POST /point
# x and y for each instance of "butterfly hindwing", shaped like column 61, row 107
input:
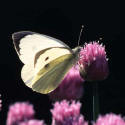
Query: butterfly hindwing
column 27, row 74
column 44, row 57
column 50, row 76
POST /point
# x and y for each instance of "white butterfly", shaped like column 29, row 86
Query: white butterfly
column 46, row 60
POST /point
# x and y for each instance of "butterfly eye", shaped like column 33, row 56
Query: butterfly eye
column 46, row 58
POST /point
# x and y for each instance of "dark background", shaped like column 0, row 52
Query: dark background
column 63, row 21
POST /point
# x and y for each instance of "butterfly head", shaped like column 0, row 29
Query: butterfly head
column 77, row 49
column 76, row 52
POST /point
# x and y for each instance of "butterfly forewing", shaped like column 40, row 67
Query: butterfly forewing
column 27, row 44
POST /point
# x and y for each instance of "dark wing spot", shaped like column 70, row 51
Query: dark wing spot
column 46, row 58
column 46, row 66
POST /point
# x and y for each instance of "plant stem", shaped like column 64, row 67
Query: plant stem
column 95, row 101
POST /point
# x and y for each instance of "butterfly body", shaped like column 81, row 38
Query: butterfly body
column 46, row 60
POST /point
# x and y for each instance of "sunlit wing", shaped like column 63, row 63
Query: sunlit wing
column 27, row 44
column 42, row 59
column 27, row 73
column 30, row 45
column 49, row 77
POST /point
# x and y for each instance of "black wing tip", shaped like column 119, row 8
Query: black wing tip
column 21, row 34
column 17, row 36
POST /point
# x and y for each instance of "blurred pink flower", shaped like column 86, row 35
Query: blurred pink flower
column 32, row 122
column 66, row 113
column 71, row 87
column 20, row 111
column 0, row 103
column 110, row 119
column 93, row 62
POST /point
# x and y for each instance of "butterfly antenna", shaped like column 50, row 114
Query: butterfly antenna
column 80, row 34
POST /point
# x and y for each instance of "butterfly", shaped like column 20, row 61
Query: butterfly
column 46, row 60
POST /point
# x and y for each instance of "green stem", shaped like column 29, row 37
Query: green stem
column 95, row 101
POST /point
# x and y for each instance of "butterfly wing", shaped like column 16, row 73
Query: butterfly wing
column 51, row 75
column 42, row 59
column 30, row 46
column 27, row 44
column 27, row 74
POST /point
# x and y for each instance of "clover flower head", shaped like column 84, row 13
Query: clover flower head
column 20, row 111
column 93, row 62
column 66, row 113
column 110, row 119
